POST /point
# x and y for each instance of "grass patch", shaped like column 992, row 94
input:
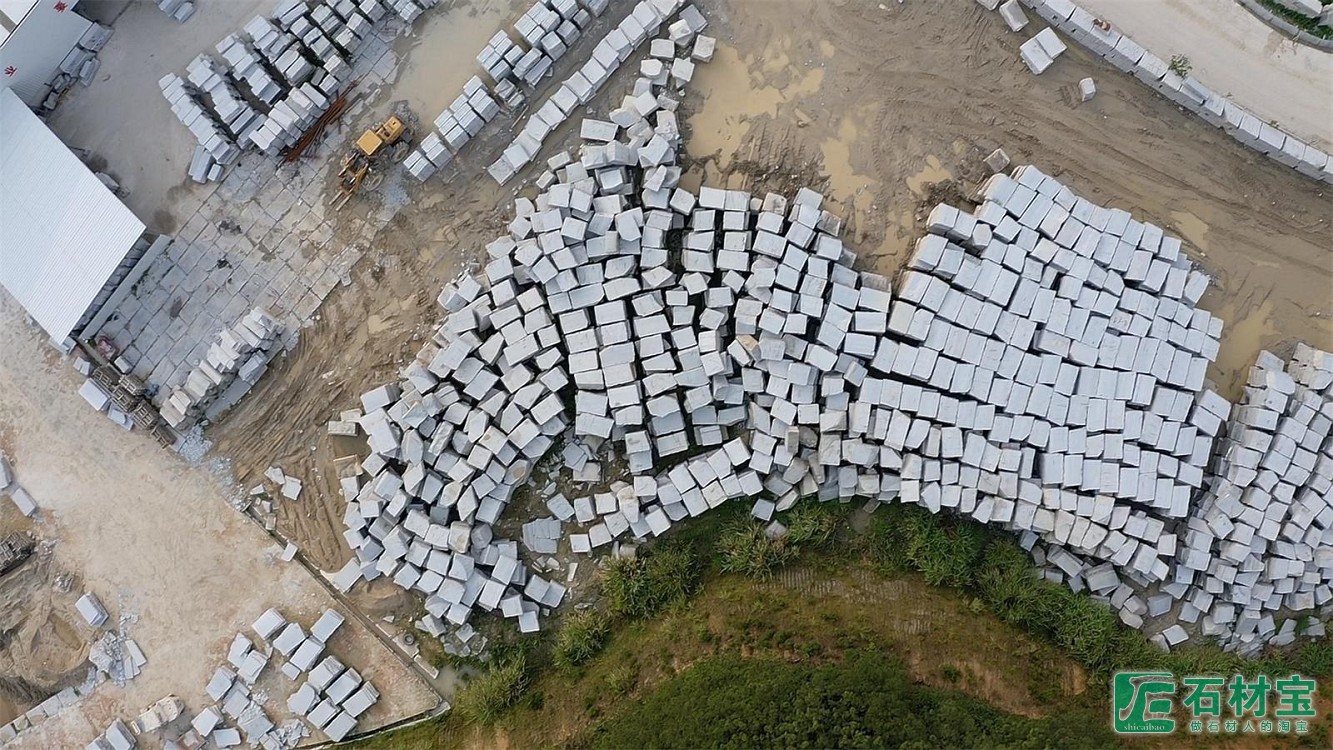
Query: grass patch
column 867, row 700
column 641, row 587
column 965, row 555
column 485, row 697
column 744, row 545
column 746, row 548
column 427, row 735
column 581, row 637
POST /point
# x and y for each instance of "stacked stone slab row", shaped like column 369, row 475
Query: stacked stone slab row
column 215, row 144
column 214, row 80
column 547, row 30
column 247, row 59
column 456, row 125
column 578, row 89
column 291, row 116
column 1214, row 107
column 1260, row 542
column 241, row 352
column 179, row 10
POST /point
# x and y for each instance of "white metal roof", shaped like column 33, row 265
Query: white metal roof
column 15, row 10
column 62, row 233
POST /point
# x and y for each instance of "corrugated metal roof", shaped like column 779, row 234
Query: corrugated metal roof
column 62, row 232
column 15, row 10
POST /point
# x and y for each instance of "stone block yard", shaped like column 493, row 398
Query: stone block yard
column 643, row 260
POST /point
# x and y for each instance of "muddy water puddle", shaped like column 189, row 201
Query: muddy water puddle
column 442, row 53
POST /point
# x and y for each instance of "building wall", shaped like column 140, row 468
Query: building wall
column 30, row 57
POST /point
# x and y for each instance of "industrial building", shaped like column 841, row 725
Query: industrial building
column 68, row 245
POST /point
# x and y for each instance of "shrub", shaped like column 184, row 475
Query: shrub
column 485, row 697
column 745, row 547
column 813, row 525
column 1180, row 65
column 581, row 637
column 621, row 679
column 642, row 586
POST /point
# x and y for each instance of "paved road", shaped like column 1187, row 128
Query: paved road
column 1237, row 55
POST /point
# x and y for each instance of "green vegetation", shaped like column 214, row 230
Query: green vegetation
column 581, row 637
column 1180, row 65
column 642, row 586
column 963, row 554
column 746, row 548
column 867, row 700
column 482, row 699
column 744, row 545
column 1311, row 26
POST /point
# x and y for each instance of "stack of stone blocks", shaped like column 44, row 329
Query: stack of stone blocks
column 330, row 696
column 1260, row 541
column 610, row 53
column 292, row 64
column 482, row 402
column 179, row 10
column 1040, row 364
column 241, row 353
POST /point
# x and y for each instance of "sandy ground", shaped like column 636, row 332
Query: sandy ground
column 155, row 539
column 1235, row 53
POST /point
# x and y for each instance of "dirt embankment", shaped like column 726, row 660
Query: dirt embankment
column 43, row 644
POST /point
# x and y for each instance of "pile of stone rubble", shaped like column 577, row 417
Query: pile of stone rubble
column 1039, row 364
column 79, row 66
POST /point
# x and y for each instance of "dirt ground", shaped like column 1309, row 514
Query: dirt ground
column 154, row 538
column 878, row 104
